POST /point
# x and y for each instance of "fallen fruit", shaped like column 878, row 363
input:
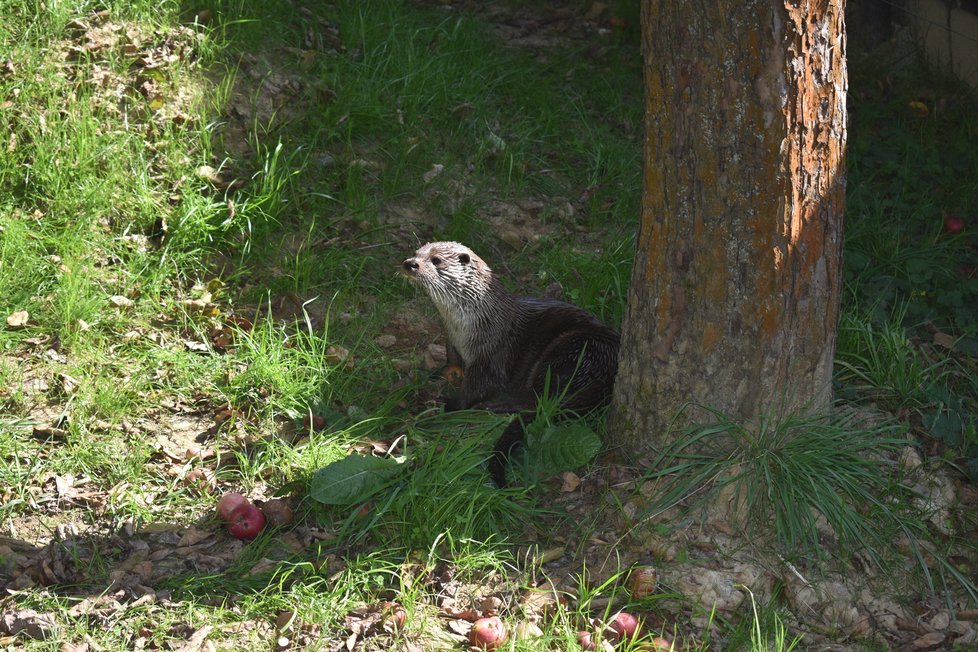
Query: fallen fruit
column 586, row 640
column 658, row 644
column 246, row 522
column 953, row 224
column 642, row 581
column 488, row 633
column 623, row 626
column 228, row 503
column 314, row 421
column 394, row 615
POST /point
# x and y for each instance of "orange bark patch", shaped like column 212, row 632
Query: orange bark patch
column 711, row 335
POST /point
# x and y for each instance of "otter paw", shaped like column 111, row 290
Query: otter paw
column 454, row 404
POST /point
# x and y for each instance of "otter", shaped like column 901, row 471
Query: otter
column 511, row 346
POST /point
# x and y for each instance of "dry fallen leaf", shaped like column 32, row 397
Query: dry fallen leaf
column 435, row 170
column 570, row 481
column 337, row 355
column 192, row 536
column 69, row 385
column 28, row 623
column 919, row 108
column 196, row 640
column 18, row 319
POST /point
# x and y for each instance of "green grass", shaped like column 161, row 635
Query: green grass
column 907, row 336
column 207, row 247
column 797, row 478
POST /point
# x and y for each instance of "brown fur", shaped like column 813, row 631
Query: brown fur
column 507, row 343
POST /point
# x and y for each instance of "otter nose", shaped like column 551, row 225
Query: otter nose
column 410, row 265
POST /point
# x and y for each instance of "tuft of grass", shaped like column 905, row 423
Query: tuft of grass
column 879, row 362
column 809, row 476
column 883, row 363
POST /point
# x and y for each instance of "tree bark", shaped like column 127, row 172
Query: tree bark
column 734, row 296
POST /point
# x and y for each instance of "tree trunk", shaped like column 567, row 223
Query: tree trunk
column 734, row 295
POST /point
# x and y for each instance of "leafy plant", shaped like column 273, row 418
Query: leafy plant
column 353, row 479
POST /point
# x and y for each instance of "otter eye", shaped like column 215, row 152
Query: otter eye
column 463, row 258
column 435, row 260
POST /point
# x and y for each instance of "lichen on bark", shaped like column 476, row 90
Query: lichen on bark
column 733, row 301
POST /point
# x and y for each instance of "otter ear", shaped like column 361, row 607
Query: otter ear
column 463, row 258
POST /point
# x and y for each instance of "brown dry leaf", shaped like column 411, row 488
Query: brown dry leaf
column 195, row 305
column 196, row 640
column 201, row 479
column 337, row 355
column 490, row 605
column 211, row 175
column 95, row 604
column 919, row 108
column 65, row 486
column 372, row 447
column 461, row 627
column 931, row 641
column 120, row 301
column 69, row 385
column 28, row 623
column 193, row 536
column 543, row 600
column 944, row 340
column 18, row 319
column 527, row 631
column 469, row 615
column 435, row 170
column 570, row 481
column 196, row 347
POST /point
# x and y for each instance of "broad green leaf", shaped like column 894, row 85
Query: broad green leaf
column 945, row 425
column 353, row 479
column 563, row 446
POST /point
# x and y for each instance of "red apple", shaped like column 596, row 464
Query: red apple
column 228, row 503
column 246, row 522
column 488, row 633
column 586, row 640
column 623, row 626
column 394, row 616
column 313, row 421
column 659, row 644
column 953, row 224
column 642, row 581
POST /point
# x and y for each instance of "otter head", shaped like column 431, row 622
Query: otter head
column 457, row 280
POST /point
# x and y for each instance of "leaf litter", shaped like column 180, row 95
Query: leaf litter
column 141, row 558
